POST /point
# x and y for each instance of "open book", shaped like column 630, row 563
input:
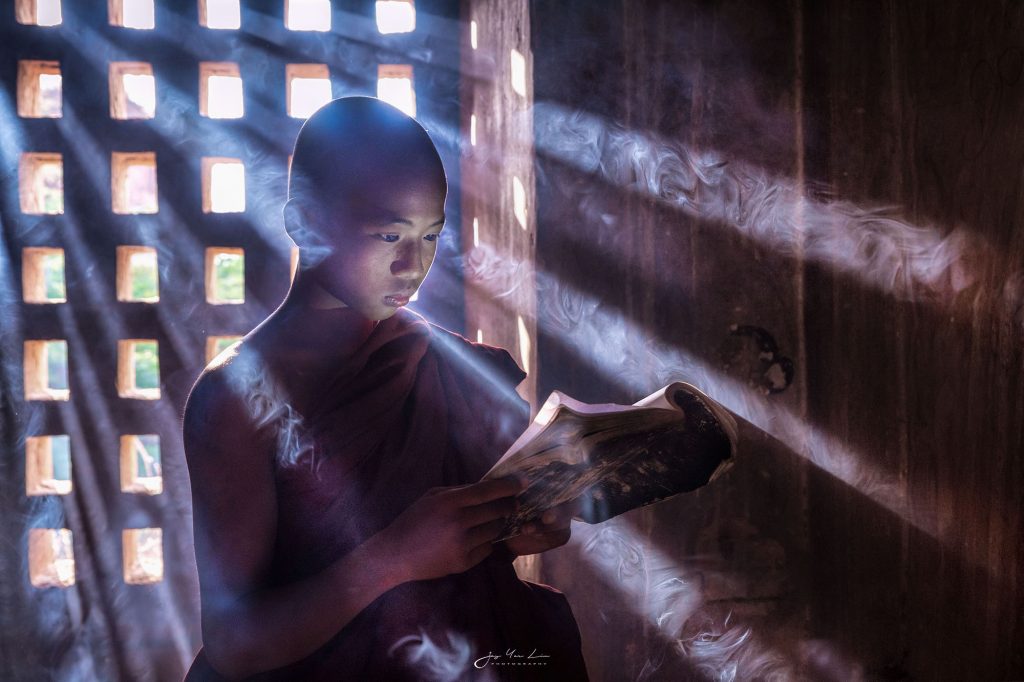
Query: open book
column 614, row 458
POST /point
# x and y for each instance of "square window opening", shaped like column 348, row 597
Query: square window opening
column 220, row 14
column 396, row 16
column 215, row 345
column 51, row 558
column 132, row 90
column 220, row 90
column 139, row 14
column 141, row 471
column 133, row 182
column 223, row 185
column 138, row 278
column 307, row 15
column 47, row 465
column 143, row 555
column 38, row 12
column 309, row 88
column 225, row 275
column 42, row 275
column 39, row 89
column 395, row 86
column 138, row 369
column 41, row 184
column 46, row 369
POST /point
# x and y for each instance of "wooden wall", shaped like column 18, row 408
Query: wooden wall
column 811, row 210
column 498, row 148
column 499, row 266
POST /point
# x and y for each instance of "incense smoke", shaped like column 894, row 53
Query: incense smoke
column 907, row 261
column 437, row 663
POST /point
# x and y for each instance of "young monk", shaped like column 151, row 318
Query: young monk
column 334, row 452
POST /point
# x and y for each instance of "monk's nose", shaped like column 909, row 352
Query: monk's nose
column 409, row 262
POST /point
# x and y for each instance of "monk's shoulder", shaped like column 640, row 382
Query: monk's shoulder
column 480, row 356
column 221, row 399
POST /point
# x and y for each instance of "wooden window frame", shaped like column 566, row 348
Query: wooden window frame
column 126, row 387
column 29, row 71
column 131, row 481
column 305, row 71
column 39, row 478
column 43, row 553
column 204, row 17
column 211, row 280
column 208, row 162
column 37, row 372
column 330, row 18
column 377, row 8
column 118, row 96
column 213, row 341
column 124, row 275
column 207, row 69
column 26, row 12
column 28, row 165
column 119, row 164
column 398, row 71
column 115, row 13
column 134, row 570
column 33, row 278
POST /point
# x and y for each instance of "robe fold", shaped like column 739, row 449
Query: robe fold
column 414, row 407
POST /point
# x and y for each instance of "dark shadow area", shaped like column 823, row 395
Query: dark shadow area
column 925, row 395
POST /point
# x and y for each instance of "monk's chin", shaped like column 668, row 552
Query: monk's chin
column 381, row 313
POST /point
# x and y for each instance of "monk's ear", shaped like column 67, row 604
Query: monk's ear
column 300, row 223
column 295, row 217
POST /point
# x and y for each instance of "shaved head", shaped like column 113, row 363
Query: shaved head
column 366, row 197
column 352, row 147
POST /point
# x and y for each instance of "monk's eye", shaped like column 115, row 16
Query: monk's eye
column 390, row 238
column 431, row 237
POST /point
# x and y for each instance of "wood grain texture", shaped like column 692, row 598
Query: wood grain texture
column 874, row 530
column 499, row 271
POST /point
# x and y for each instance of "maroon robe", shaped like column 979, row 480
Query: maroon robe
column 415, row 406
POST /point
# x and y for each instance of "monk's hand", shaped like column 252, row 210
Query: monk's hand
column 450, row 529
column 550, row 531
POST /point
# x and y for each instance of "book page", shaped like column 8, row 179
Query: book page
column 613, row 458
column 553, row 451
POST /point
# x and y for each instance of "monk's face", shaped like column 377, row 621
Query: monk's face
column 383, row 244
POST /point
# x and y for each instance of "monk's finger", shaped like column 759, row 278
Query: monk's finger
column 541, row 541
column 484, row 533
column 491, row 489
column 481, row 513
column 554, row 538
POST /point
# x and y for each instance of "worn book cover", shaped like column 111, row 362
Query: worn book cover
column 614, row 458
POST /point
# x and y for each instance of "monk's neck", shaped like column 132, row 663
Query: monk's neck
column 315, row 328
